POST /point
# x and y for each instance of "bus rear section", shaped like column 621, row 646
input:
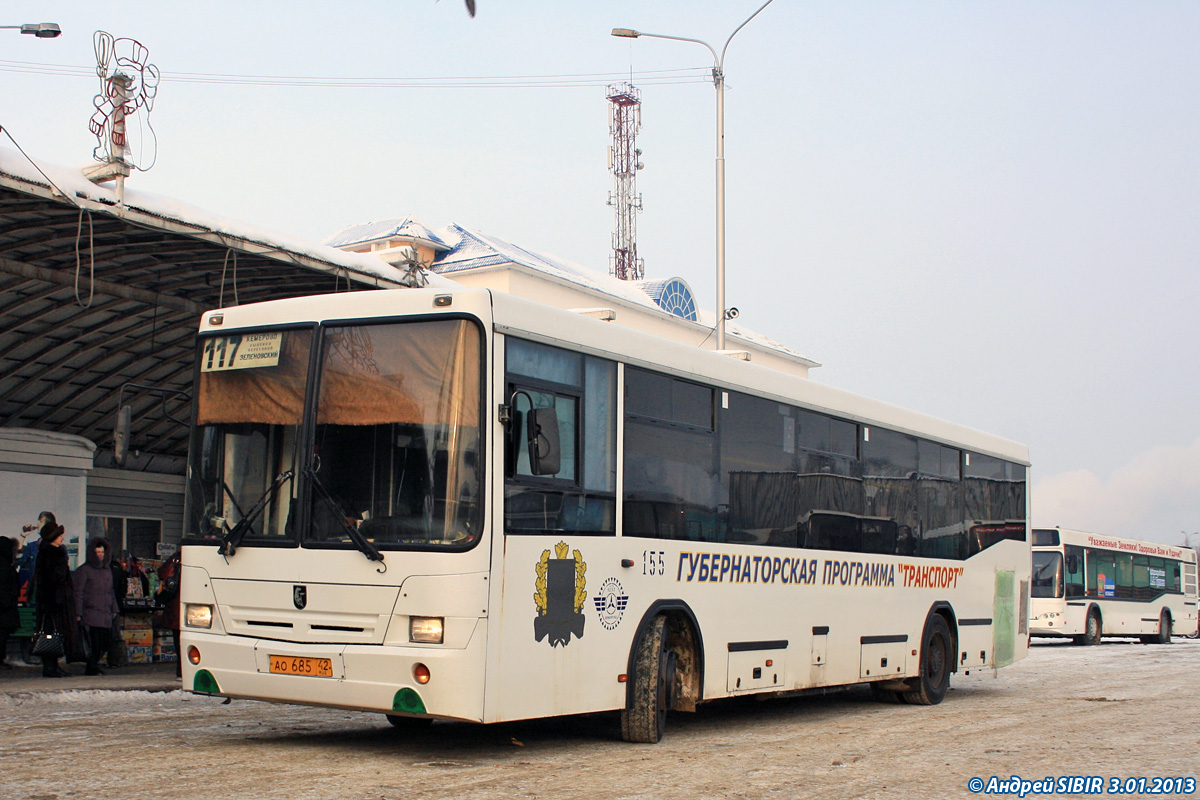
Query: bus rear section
column 1087, row 586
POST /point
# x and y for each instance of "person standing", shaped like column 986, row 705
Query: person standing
column 10, row 591
column 95, row 603
column 116, row 649
column 54, row 592
column 27, row 551
column 168, row 595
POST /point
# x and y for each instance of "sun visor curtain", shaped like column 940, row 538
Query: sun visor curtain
column 423, row 373
column 271, row 395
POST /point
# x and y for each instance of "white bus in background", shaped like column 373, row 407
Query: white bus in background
column 1086, row 586
column 463, row 505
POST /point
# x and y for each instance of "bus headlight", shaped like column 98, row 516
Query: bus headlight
column 426, row 630
column 198, row 616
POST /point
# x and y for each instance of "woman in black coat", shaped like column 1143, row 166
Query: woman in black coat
column 10, row 591
column 55, row 593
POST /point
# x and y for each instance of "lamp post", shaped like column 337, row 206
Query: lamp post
column 718, row 74
column 42, row 30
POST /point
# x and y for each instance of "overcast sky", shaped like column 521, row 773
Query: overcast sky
column 986, row 211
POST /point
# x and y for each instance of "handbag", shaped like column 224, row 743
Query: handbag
column 84, row 640
column 48, row 643
column 118, row 656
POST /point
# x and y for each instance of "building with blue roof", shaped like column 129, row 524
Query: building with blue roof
column 664, row 307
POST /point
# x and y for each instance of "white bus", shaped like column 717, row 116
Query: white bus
column 463, row 505
column 1086, row 586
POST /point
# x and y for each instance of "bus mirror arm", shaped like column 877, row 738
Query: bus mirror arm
column 122, row 429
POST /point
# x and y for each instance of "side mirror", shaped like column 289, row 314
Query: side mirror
column 121, row 435
column 544, row 450
column 1072, row 564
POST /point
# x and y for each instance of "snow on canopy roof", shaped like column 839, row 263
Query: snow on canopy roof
column 70, row 183
column 406, row 227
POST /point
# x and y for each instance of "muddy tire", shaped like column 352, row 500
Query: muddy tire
column 934, row 680
column 645, row 716
column 1093, row 630
column 1163, row 636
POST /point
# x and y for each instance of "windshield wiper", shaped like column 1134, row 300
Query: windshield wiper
column 232, row 539
column 369, row 550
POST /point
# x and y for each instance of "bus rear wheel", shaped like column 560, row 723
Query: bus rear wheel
column 645, row 716
column 1164, row 630
column 934, row 680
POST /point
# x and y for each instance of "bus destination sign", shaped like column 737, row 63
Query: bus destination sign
column 241, row 351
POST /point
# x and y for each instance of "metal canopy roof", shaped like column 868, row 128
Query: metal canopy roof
column 96, row 294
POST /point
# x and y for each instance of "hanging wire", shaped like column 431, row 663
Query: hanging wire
column 224, row 266
column 666, row 76
column 91, row 260
column 52, row 184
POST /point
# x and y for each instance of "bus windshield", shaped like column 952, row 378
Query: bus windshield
column 394, row 439
column 1047, row 575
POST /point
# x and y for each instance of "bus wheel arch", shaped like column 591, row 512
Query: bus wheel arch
column 665, row 671
column 943, row 609
column 936, row 658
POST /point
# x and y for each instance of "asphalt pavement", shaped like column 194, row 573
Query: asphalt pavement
column 131, row 678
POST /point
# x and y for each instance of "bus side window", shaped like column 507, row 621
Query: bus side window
column 1074, row 578
column 551, row 388
column 671, row 459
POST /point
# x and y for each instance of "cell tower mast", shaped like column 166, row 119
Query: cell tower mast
column 624, row 121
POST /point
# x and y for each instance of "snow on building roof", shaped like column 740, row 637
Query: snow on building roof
column 405, row 227
column 463, row 249
column 475, row 250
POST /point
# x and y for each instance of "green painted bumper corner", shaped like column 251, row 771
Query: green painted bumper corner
column 407, row 701
column 205, row 683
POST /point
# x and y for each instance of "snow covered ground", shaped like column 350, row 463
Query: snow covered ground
column 1119, row 710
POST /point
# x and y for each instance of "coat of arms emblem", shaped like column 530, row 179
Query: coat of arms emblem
column 560, row 592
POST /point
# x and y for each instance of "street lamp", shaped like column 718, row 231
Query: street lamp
column 42, row 30
column 718, row 74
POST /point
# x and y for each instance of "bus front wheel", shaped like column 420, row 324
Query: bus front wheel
column 1092, row 630
column 934, row 681
column 409, row 724
column 645, row 716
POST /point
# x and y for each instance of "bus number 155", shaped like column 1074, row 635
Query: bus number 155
column 653, row 562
